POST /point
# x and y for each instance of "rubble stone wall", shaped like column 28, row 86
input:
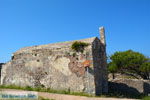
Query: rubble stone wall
column 57, row 66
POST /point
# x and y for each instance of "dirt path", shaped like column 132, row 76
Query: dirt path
column 64, row 97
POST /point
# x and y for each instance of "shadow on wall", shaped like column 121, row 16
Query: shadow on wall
column 1, row 67
column 121, row 89
column 91, row 71
column 146, row 88
column 124, row 90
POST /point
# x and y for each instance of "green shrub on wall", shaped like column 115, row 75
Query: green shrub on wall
column 79, row 46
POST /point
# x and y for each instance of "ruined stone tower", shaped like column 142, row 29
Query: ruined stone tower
column 103, row 59
column 60, row 67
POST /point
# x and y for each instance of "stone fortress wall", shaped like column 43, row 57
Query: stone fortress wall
column 59, row 67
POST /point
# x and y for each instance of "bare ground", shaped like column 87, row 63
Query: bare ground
column 66, row 97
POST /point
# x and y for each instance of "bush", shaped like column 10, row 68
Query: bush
column 79, row 46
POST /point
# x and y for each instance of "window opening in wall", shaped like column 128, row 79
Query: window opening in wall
column 12, row 57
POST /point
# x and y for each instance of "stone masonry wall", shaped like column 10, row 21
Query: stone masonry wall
column 59, row 67
column 54, row 66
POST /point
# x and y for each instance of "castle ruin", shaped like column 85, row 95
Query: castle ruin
column 59, row 67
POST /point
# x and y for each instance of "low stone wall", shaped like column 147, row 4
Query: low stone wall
column 129, row 86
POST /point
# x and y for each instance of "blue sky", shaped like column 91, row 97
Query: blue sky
column 34, row 22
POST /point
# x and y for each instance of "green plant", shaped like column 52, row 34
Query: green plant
column 79, row 46
column 146, row 98
column 28, row 88
column 74, row 54
column 42, row 98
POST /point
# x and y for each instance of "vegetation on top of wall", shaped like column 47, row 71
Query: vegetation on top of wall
column 79, row 46
column 130, row 63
